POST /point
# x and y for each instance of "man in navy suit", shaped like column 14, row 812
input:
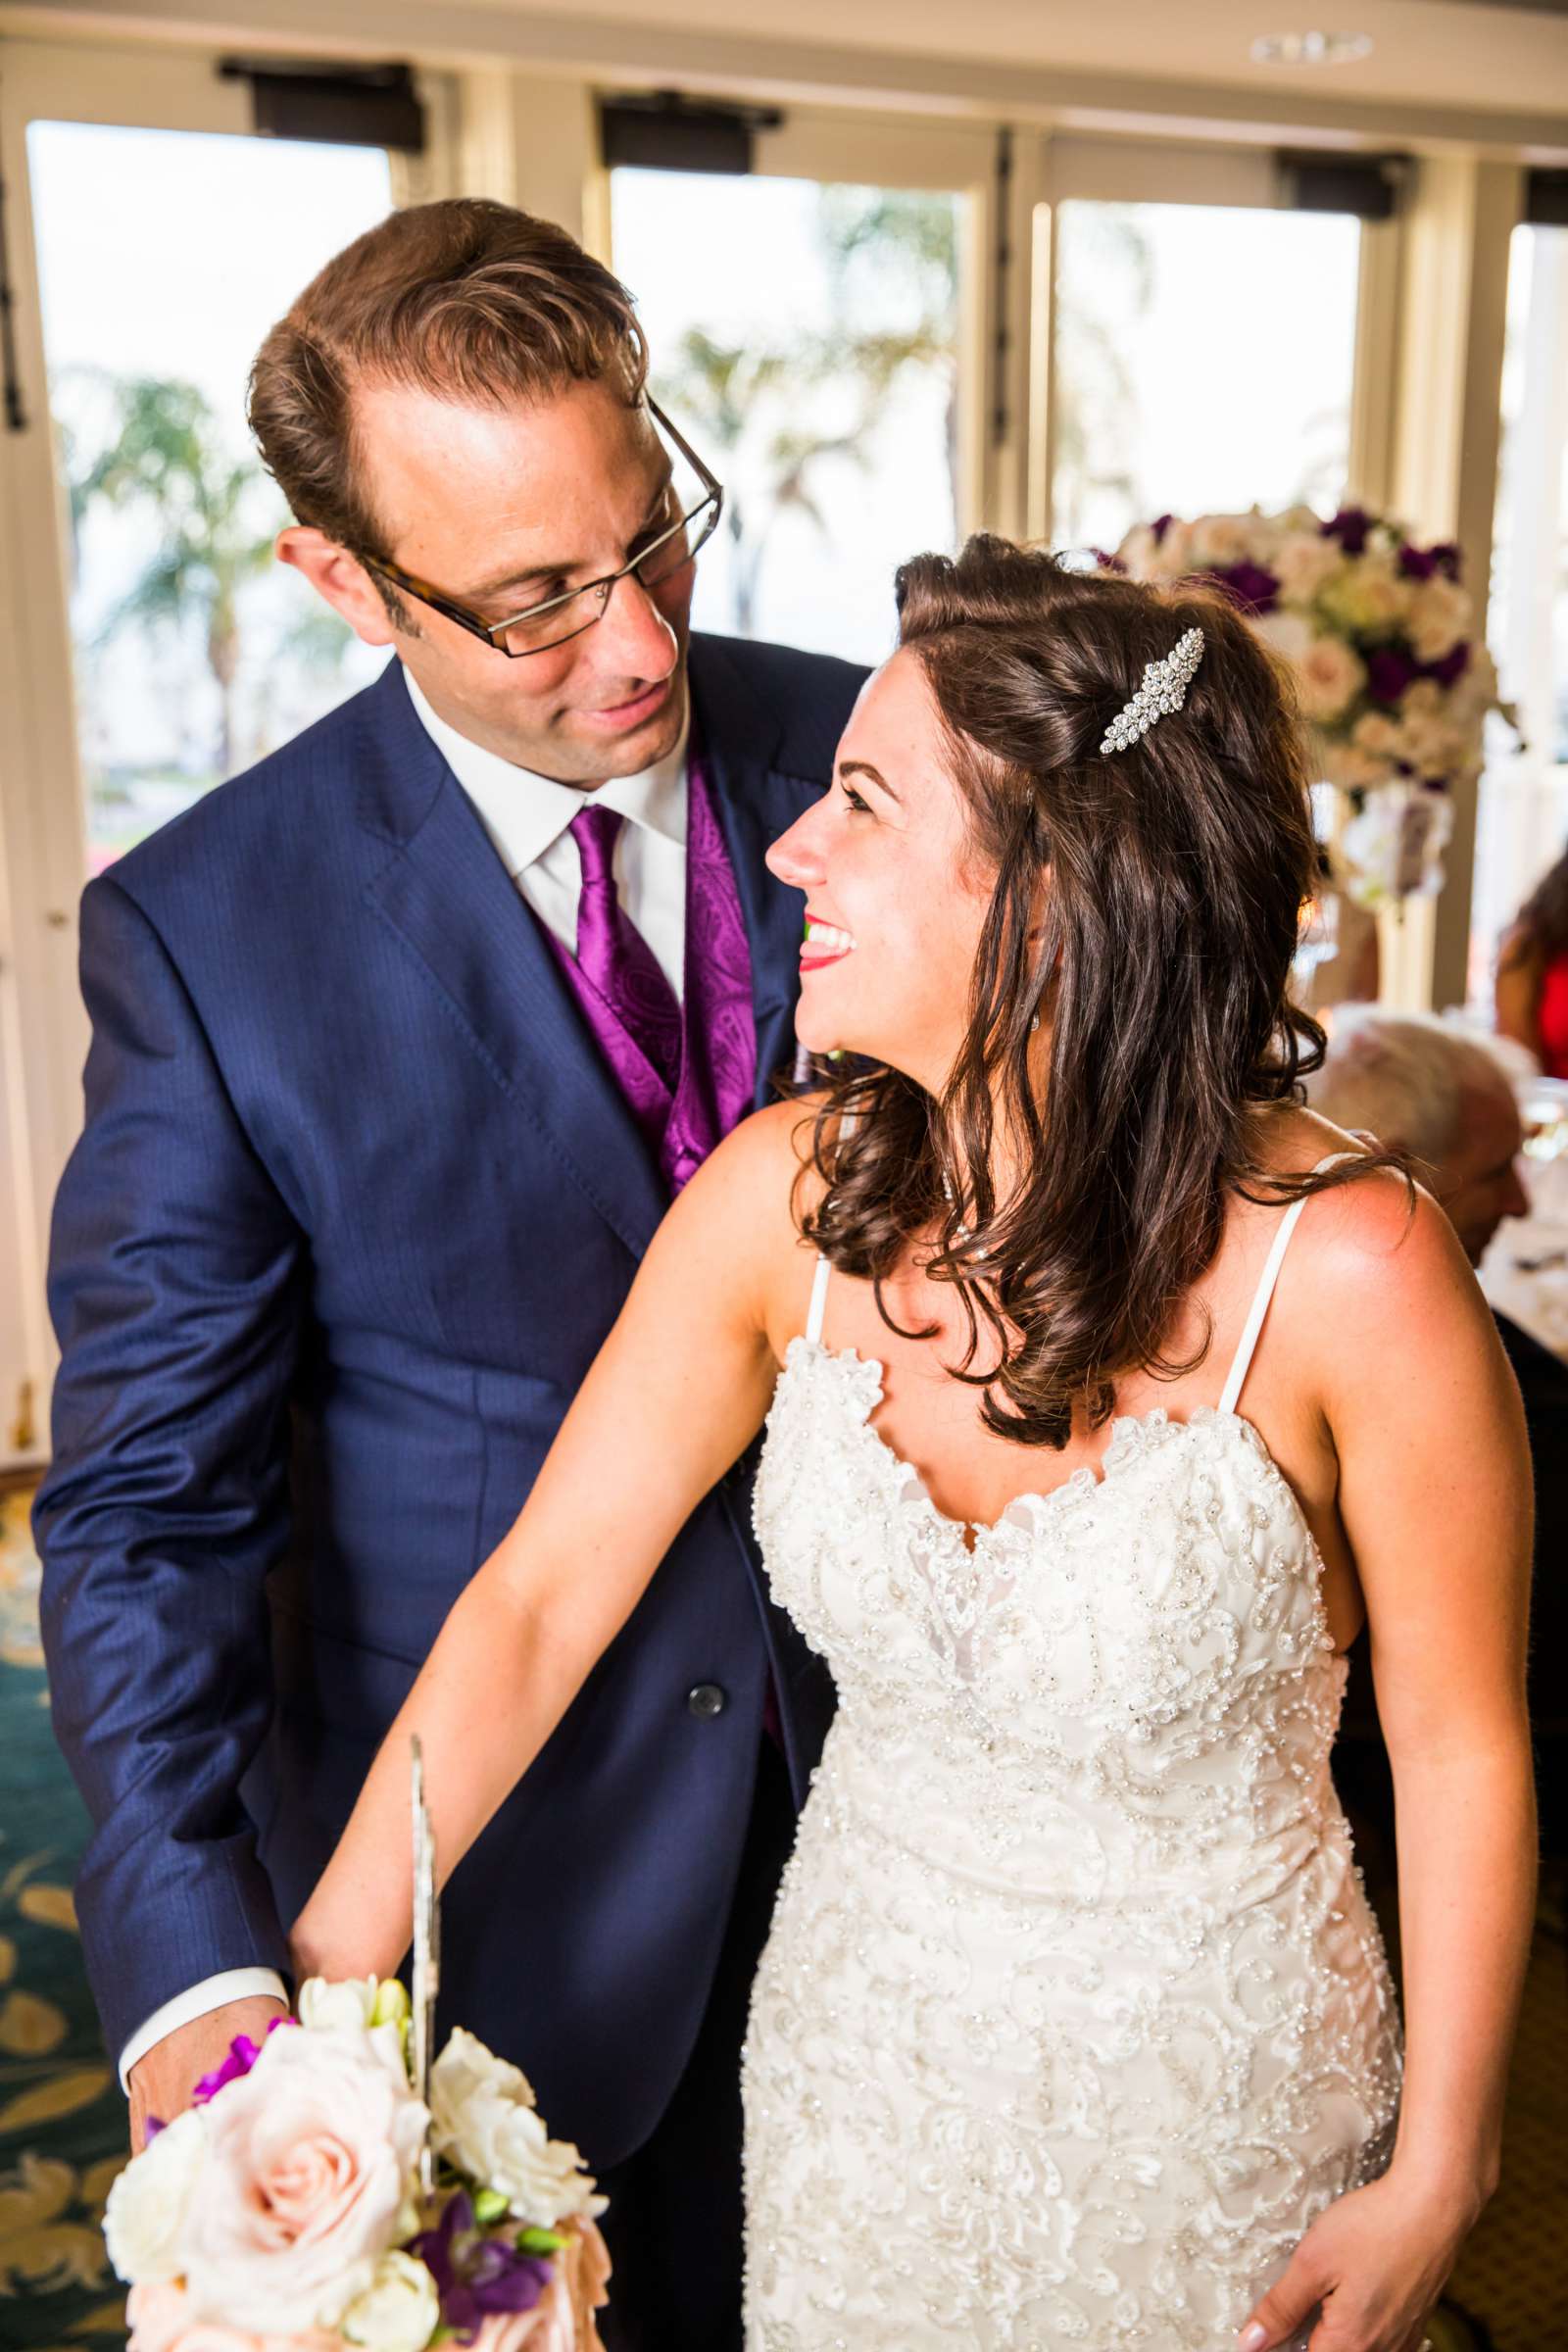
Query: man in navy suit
column 397, row 1058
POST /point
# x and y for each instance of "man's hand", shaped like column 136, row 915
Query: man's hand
column 162, row 2082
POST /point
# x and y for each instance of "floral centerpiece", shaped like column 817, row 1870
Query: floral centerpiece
column 1390, row 676
column 286, row 2211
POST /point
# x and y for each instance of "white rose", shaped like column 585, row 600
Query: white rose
column 398, row 2311
column 1367, row 594
column 1379, row 735
column 347, row 2007
column 1217, row 540
column 485, row 2122
column 148, row 2200
column 1440, row 616
column 1343, row 765
column 1290, row 634
column 1302, row 566
column 1329, row 676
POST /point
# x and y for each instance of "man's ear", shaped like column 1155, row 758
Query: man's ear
column 339, row 579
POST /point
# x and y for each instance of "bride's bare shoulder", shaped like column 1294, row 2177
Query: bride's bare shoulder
column 1374, row 1253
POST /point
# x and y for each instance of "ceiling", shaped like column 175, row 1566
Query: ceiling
column 1481, row 68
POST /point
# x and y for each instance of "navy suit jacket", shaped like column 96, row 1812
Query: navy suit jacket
column 356, row 1203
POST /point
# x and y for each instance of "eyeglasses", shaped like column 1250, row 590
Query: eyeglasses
column 559, row 617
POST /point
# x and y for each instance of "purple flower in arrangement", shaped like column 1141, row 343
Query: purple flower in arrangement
column 1253, row 588
column 1452, row 667
column 1349, row 527
column 1425, row 563
column 242, row 2056
column 1388, row 671
column 476, row 2275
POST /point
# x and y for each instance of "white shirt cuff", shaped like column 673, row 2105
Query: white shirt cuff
column 232, row 1985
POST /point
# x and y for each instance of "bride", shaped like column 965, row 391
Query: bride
column 1074, row 2030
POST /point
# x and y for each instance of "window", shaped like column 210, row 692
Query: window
column 1173, row 397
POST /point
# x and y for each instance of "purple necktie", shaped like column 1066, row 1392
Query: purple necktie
column 612, row 953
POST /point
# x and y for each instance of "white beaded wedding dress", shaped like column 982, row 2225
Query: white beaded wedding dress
column 1074, row 2013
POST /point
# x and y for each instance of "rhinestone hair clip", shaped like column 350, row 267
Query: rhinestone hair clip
column 1163, row 690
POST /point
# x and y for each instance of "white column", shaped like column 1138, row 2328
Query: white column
column 1442, row 472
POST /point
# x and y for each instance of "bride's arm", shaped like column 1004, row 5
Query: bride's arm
column 677, row 1392
column 1434, row 1493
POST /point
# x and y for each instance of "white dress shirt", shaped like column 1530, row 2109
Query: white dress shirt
column 527, row 817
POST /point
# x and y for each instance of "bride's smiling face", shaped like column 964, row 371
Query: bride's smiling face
column 895, row 895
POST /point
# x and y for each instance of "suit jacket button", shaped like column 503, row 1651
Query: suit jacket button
column 705, row 1700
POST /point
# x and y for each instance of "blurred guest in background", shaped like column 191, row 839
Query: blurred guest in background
column 1533, row 974
column 1419, row 1084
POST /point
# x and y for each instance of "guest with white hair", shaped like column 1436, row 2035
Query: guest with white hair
column 1444, row 1097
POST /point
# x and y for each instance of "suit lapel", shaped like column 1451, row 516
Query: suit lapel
column 449, row 899
column 756, row 802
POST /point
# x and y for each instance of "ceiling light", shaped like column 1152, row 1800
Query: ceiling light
column 1311, row 48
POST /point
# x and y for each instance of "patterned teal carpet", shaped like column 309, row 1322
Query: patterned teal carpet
column 62, row 2118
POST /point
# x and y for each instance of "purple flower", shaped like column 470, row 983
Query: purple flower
column 1388, row 671
column 1349, row 527
column 1254, row 589
column 476, row 2275
column 1419, row 563
column 242, row 2056
column 1452, row 667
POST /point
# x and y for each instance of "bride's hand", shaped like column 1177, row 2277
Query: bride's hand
column 1376, row 2260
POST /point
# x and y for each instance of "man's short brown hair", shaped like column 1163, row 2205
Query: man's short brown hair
column 471, row 300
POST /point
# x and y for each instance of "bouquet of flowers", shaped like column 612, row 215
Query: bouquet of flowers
column 310, row 2199
column 1390, row 677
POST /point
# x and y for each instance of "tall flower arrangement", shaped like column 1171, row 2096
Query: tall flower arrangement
column 1391, row 678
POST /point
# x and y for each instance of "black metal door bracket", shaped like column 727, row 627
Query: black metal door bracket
column 9, row 374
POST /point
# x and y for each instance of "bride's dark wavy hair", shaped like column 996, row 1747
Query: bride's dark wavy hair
column 1163, row 887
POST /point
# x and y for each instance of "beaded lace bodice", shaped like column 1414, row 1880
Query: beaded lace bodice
column 1073, row 2012
column 1130, row 1674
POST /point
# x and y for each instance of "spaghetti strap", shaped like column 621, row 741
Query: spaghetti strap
column 1241, row 1363
column 813, row 1320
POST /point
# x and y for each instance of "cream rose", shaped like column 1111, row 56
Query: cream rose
column 147, row 2203
column 484, row 2120
column 345, row 2007
column 1366, row 594
column 309, row 2178
column 1377, row 734
column 1440, row 616
column 1288, row 634
column 398, row 2311
column 1329, row 676
column 1223, row 539
column 1302, row 566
